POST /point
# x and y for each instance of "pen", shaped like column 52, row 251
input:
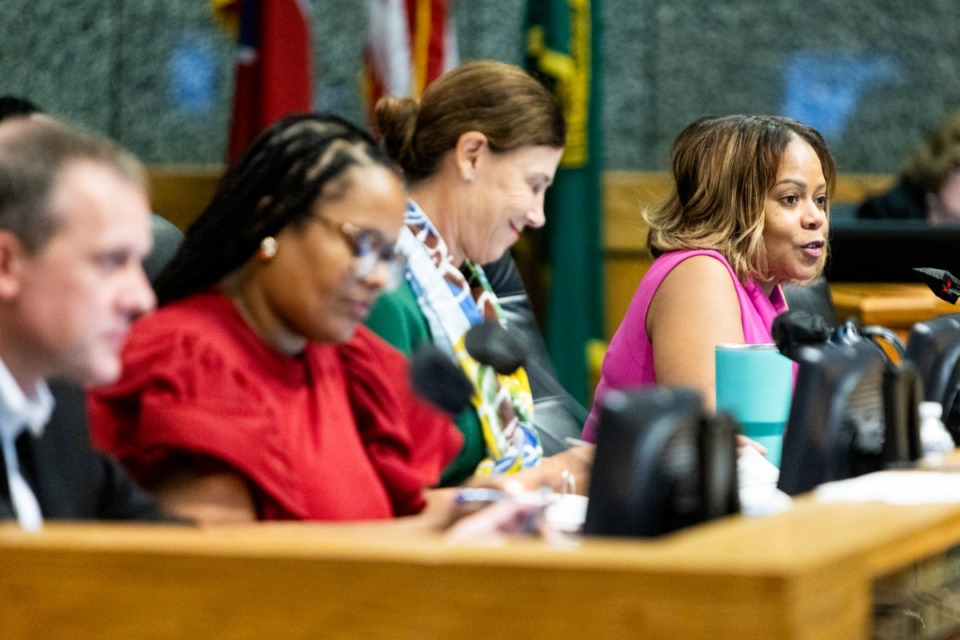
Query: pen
column 480, row 495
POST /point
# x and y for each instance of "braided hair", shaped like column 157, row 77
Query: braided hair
column 276, row 182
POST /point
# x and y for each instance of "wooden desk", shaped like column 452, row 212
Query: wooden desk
column 803, row 574
column 894, row 306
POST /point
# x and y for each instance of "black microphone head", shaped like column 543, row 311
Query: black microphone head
column 489, row 343
column 796, row 328
column 439, row 380
column 944, row 284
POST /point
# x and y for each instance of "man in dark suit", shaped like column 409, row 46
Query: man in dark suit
column 74, row 227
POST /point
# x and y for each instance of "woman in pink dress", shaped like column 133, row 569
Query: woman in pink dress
column 749, row 211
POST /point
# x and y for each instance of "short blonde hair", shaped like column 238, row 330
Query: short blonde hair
column 722, row 169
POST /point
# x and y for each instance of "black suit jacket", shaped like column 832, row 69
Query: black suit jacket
column 71, row 479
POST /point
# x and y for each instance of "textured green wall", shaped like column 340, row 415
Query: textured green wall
column 874, row 75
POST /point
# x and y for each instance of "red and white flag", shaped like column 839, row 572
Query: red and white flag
column 409, row 44
column 274, row 75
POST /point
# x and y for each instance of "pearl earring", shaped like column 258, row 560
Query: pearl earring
column 268, row 248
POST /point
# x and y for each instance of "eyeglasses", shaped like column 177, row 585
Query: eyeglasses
column 369, row 249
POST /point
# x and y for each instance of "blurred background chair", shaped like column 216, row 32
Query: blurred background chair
column 166, row 241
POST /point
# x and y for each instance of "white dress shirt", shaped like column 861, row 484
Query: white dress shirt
column 19, row 412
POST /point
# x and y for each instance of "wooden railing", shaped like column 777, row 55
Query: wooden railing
column 180, row 192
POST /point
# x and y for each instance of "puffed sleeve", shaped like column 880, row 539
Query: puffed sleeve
column 408, row 441
column 184, row 395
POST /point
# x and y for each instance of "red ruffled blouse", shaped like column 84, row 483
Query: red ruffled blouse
column 333, row 433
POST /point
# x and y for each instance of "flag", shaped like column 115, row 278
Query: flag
column 409, row 44
column 273, row 76
column 562, row 47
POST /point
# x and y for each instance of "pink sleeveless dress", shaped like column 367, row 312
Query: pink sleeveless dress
column 629, row 359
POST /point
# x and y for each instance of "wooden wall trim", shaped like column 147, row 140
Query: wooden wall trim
column 180, row 192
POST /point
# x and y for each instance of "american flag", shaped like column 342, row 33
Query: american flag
column 409, row 44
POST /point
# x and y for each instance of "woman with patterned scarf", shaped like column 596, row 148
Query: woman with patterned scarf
column 478, row 153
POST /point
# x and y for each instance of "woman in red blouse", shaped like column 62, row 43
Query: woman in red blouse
column 254, row 392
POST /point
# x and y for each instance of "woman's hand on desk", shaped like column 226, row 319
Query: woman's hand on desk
column 480, row 514
column 493, row 523
column 565, row 472
column 490, row 508
column 205, row 492
column 743, row 441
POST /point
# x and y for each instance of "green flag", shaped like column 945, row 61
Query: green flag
column 562, row 46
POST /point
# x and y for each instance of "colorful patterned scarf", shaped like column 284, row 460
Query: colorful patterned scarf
column 451, row 306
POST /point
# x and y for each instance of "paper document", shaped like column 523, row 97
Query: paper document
column 894, row 487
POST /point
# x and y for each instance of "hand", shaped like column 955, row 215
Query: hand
column 493, row 524
column 744, row 441
column 576, row 462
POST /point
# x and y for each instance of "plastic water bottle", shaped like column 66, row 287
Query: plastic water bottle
column 933, row 433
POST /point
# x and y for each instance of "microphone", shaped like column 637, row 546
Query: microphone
column 489, row 343
column 439, row 380
column 794, row 329
column 944, row 284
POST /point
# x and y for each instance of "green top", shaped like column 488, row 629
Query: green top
column 397, row 318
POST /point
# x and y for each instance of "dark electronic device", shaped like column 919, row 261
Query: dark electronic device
column 943, row 284
column 842, row 356
column 660, row 464
column 838, row 425
column 889, row 251
column 439, row 380
column 489, row 343
column 933, row 347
